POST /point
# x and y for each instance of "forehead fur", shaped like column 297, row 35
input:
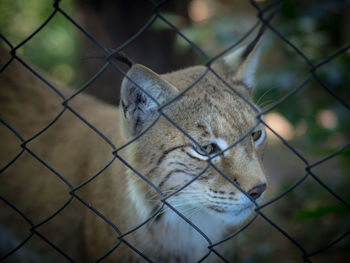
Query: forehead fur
column 181, row 79
column 210, row 102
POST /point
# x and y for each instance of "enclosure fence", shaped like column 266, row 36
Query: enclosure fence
column 263, row 19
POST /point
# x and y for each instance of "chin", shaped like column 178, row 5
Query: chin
column 238, row 213
column 233, row 218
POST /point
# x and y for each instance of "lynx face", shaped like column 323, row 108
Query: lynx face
column 214, row 118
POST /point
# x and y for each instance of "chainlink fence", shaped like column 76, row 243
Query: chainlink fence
column 263, row 18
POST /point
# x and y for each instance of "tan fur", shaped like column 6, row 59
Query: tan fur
column 208, row 110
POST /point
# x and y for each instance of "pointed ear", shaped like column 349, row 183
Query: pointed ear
column 241, row 64
column 138, row 107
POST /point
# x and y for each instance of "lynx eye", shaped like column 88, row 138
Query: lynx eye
column 258, row 136
column 210, row 149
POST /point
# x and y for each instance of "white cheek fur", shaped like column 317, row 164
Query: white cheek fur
column 219, row 142
column 192, row 152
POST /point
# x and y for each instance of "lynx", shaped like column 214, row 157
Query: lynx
column 213, row 118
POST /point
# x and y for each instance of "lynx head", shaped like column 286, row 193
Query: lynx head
column 223, row 136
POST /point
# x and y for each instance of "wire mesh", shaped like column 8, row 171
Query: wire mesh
column 264, row 16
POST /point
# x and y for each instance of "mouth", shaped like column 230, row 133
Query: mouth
column 233, row 214
column 248, row 208
column 236, row 210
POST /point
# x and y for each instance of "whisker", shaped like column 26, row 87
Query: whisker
column 266, row 104
column 263, row 95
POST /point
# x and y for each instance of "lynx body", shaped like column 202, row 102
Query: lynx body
column 211, row 114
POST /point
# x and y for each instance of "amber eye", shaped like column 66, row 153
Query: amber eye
column 256, row 135
column 209, row 149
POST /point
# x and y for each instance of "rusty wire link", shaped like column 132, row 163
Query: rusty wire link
column 112, row 60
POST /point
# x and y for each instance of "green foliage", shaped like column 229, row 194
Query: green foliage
column 314, row 28
column 54, row 48
column 323, row 152
column 306, row 214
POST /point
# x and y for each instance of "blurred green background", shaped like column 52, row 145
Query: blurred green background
column 312, row 121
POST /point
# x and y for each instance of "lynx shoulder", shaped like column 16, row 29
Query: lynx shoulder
column 206, row 137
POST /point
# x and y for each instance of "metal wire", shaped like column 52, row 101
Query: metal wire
column 113, row 57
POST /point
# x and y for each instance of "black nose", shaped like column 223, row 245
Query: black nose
column 257, row 191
